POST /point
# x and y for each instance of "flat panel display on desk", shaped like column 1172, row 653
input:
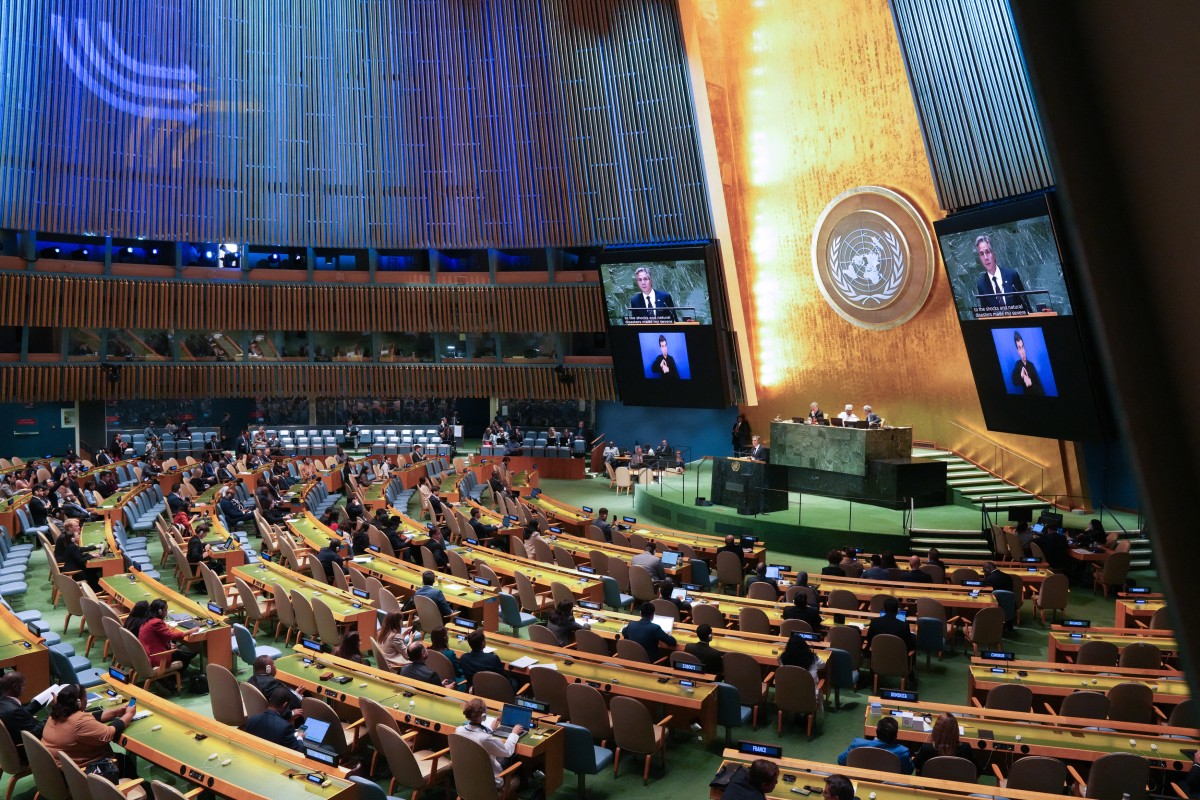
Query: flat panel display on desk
column 665, row 322
column 1011, row 287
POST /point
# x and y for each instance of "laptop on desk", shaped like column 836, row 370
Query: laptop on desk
column 512, row 716
column 670, row 558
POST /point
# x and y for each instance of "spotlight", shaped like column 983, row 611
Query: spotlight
column 128, row 251
column 273, row 258
column 153, row 251
column 208, row 255
column 50, row 252
column 82, row 254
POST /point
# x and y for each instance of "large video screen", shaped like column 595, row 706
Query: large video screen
column 1008, row 269
column 666, row 345
column 657, row 292
column 1011, row 287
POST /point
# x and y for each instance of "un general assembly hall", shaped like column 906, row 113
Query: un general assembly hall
column 526, row 399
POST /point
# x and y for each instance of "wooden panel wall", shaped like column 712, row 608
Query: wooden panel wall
column 350, row 123
column 121, row 303
column 28, row 384
column 982, row 132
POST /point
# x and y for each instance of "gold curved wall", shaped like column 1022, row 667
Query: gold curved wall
column 809, row 98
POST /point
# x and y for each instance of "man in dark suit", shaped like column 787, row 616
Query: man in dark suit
column 996, row 284
column 645, row 631
column 481, row 529
column 995, row 578
column 433, row 593
column 477, row 660
column 603, row 524
column 802, row 610
column 663, row 365
column 888, row 623
column 233, row 511
column 914, row 574
column 758, row 451
column 274, row 724
column 731, row 546
column 703, row 650
column 18, row 717
column 1024, row 373
column 265, row 681
column 647, row 303
column 331, row 559
column 175, row 501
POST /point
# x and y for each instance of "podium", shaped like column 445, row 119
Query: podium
column 743, row 484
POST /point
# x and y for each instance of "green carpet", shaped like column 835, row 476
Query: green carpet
column 690, row 764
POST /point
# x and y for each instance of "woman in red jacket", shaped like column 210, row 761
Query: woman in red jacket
column 159, row 639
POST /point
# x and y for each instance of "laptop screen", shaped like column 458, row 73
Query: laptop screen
column 772, row 573
column 670, row 558
column 664, row 622
column 515, row 715
column 315, row 730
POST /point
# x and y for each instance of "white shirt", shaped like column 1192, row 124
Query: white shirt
column 848, row 416
column 496, row 747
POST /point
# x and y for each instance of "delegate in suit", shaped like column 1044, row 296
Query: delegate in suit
column 664, row 363
column 647, row 303
column 1024, row 373
column 995, row 283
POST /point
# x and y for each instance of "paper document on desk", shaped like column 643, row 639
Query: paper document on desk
column 523, row 662
column 547, row 665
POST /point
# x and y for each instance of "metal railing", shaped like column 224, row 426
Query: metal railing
column 1001, row 455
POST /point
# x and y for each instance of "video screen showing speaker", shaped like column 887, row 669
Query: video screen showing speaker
column 661, row 291
column 1011, row 287
column 665, row 313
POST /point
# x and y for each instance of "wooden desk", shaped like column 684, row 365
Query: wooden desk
column 1065, row 642
column 347, row 609
column 257, row 769
column 1132, row 610
column 956, row 598
column 99, row 535
column 1051, row 682
column 421, row 706
column 130, row 587
column 475, row 601
column 1069, row 739
column 765, row 649
column 582, row 585
column 23, row 650
column 869, row 783
column 581, row 552
column 614, row 676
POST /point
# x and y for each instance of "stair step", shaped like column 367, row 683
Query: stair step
column 984, row 480
column 1003, row 491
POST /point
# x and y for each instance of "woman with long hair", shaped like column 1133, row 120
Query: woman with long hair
column 562, row 624
column 350, row 648
column 71, row 732
column 393, row 641
column 139, row 615
column 943, row 741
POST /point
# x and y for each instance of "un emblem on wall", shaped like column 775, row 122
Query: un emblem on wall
column 873, row 257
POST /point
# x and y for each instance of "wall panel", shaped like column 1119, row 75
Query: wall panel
column 977, row 113
column 350, row 123
column 187, row 305
column 24, row 384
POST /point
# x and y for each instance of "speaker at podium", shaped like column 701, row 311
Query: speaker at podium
column 752, row 487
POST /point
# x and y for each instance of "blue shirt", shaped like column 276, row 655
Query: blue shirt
column 435, row 594
column 906, row 764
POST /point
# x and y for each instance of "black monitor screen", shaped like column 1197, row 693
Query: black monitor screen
column 677, row 290
column 1011, row 286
